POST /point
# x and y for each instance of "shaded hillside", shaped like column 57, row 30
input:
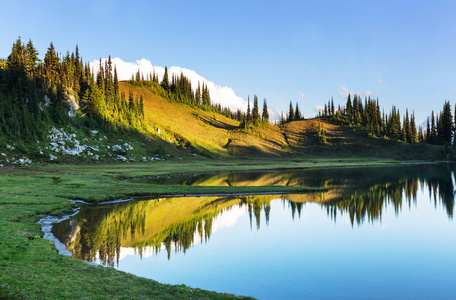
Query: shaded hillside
column 214, row 135
column 345, row 141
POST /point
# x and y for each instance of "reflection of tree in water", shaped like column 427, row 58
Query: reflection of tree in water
column 99, row 233
column 182, row 235
column 101, row 230
column 363, row 195
column 257, row 204
column 369, row 203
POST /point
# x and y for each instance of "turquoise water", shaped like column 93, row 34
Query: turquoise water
column 379, row 233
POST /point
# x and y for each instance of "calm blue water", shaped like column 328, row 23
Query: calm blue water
column 380, row 234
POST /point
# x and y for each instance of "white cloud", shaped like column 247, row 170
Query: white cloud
column 219, row 94
column 344, row 93
column 381, row 81
column 228, row 218
column 274, row 115
column 303, row 96
column 366, row 94
column 319, row 108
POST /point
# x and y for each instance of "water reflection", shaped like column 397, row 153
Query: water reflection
column 398, row 189
column 99, row 233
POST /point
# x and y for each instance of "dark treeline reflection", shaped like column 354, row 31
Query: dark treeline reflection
column 397, row 187
column 164, row 224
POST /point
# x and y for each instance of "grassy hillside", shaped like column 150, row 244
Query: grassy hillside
column 176, row 131
column 206, row 132
column 193, row 128
column 346, row 141
column 215, row 135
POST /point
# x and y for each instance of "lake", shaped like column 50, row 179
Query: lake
column 384, row 232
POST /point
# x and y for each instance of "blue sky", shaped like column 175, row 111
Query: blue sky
column 403, row 52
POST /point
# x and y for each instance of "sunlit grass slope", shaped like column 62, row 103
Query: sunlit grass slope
column 214, row 135
column 207, row 132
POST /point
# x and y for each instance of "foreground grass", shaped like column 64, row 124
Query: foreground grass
column 31, row 267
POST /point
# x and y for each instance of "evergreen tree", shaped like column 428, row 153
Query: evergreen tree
column 116, row 82
column 138, row 76
column 428, row 130
column 123, row 104
column 155, row 77
column 406, row 126
column 255, row 112
column 420, row 134
column 413, row 134
column 354, row 109
column 16, row 66
column 404, row 131
column 165, row 81
column 433, row 133
column 32, row 58
column 206, row 98
column 248, row 118
column 131, row 103
column 298, row 115
column 95, row 102
column 51, row 66
column 141, row 106
column 265, row 115
column 291, row 114
column 78, row 70
column 439, row 125
column 109, row 83
column 100, row 78
column 198, row 95
column 348, row 107
column 447, row 123
column 282, row 118
column 394, row 125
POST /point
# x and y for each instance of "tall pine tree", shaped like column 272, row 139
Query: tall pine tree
column 165, row 81
column 298, row 115
column 447, row 123
column 265, row 115
column 255, row 112
column 291, row 114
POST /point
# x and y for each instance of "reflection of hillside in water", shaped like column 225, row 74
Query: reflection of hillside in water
column 101, row 232
column 154, row 225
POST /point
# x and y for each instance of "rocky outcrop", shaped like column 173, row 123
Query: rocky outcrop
column 74, row 106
